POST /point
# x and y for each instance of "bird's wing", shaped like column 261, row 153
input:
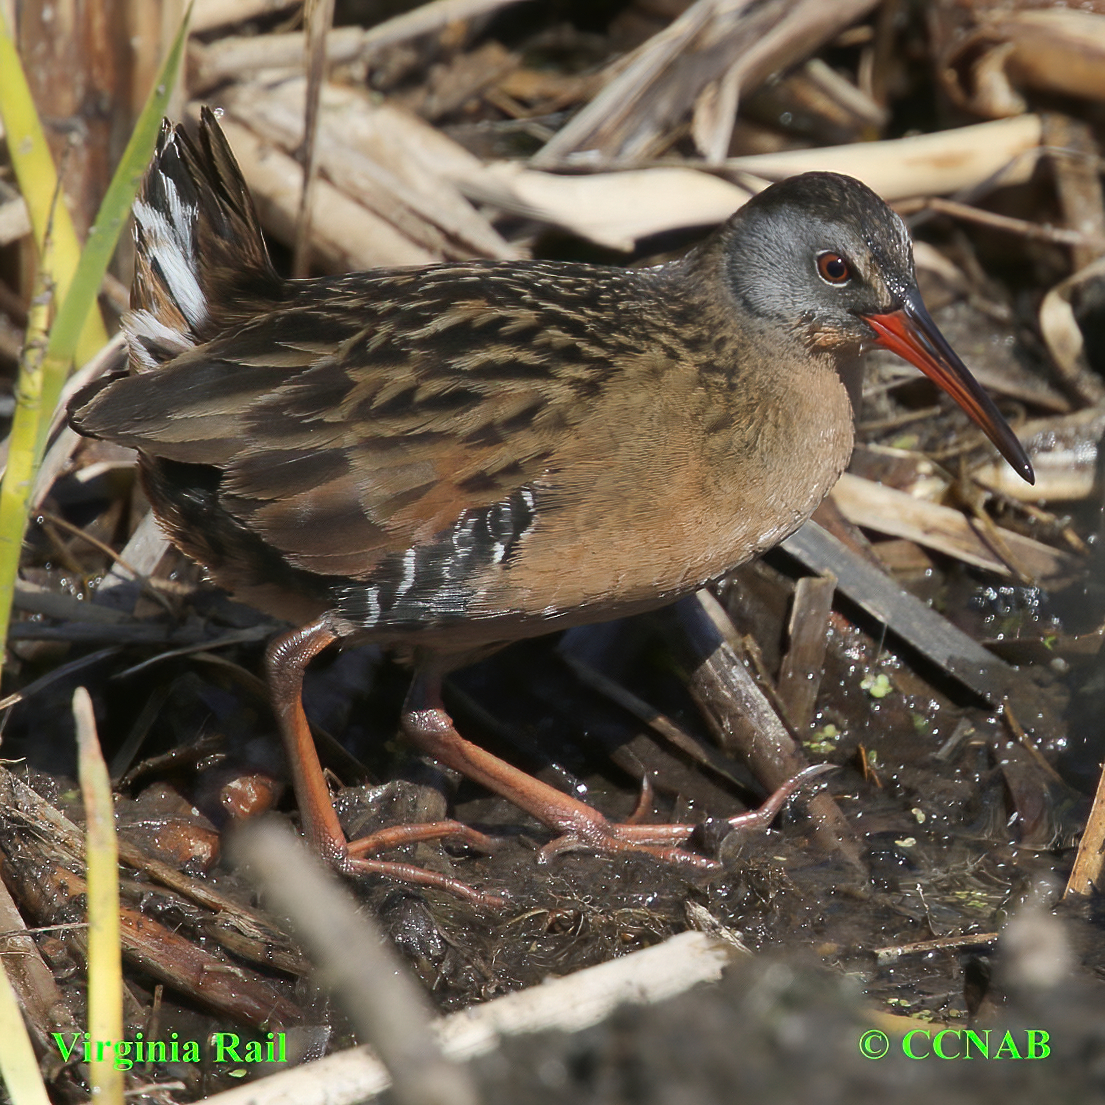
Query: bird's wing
column 370, row 413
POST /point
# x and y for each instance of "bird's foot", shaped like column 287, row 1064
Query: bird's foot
column 359, row 857
column 286, row 659
column 584, row 829
column 579, row 826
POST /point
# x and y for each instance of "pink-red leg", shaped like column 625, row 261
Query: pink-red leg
column 286, row 660
column 427, row 724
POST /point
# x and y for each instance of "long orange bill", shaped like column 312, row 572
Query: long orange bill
column 911, row 333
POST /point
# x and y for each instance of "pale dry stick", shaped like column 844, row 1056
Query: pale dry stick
column 319, row 17
column 428, row 19
column 899, row 514
column 567, row 1004
column 617, row 209
column 961, row 657
column 234, row 58
column 347, row 236
column 15, row 223
column 795, row 33
column 384, row 157
column 804, row 661
column 941, row 163
column 1057, row 51
column 895, row 421
column 1023, row 228
column 1073, row 153
column 890, row 953
column 44, row 1007
column 656, row 86
column 1063, row 334
column 243, row 57
column 1086, row 874
column 849, row 96
column 715, row 110
column 144, row 550
column 715, row 113
column 1065, row 454
column 612, row 209
column 741, row 717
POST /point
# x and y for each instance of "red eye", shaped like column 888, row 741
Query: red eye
column 833, row 269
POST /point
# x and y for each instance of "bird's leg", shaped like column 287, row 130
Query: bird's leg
column 428, row 725
column 286, row 660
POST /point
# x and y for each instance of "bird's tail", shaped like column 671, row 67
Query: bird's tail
column 200, row 259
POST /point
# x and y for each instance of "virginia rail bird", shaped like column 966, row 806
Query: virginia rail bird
column 450, row 458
